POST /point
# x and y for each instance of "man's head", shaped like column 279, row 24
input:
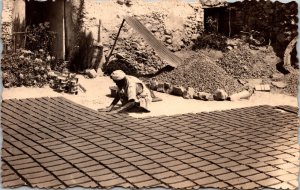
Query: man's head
column 118, row 76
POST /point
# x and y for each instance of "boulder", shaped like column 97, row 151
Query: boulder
column 161, row 87
column 220, row 94
column 202, row 96
column 91, row 73
column 178, row 90
column 189, row 93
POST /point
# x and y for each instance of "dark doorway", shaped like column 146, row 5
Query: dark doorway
column 218, row 17
column 52, row 12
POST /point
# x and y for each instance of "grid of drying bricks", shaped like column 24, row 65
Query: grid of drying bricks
column 55, row 143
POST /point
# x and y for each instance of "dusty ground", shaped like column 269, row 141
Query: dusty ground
column 98, row 90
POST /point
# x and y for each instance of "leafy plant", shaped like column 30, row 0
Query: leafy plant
column 40, row 37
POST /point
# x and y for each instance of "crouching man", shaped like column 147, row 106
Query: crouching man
column 132, row 92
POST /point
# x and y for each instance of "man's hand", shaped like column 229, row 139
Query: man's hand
column 107, row 109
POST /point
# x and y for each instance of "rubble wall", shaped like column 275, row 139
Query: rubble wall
column 276, row 20
column 173, row 22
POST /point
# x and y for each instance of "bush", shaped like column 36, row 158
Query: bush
column 213, row 41
column 25, row 67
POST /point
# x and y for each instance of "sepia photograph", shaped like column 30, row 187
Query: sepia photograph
column 136, row 94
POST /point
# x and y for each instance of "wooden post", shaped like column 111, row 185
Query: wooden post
column 112, row 49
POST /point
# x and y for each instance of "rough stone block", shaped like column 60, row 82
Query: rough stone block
column 161, row 87
column 189, row 93
column 202, row 96
column 91, row 73
column 168, row 88
column 153, row 85
column 220, row 94
column 178, row 90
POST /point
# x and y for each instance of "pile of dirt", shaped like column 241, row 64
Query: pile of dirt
column 245, row 63
column 292, row 84
column 202, row 74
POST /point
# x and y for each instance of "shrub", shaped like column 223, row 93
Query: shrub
column 25, row 67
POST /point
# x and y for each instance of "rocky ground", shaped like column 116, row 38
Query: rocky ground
column 97, row 96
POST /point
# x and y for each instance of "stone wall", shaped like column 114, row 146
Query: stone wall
column 7, row 22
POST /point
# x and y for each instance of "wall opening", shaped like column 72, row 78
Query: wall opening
column 52, row 12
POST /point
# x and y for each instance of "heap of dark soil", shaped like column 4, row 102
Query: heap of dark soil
column 245, row 63
column 202, row 74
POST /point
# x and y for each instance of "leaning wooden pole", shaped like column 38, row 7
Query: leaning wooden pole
column 113, row 47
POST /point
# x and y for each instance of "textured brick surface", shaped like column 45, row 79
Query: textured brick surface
column 55, row 143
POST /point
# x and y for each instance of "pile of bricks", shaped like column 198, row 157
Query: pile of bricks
column 65, row 82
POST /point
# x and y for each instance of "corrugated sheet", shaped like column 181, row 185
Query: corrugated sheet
column 165, row 54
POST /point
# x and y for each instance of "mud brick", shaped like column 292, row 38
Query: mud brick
column 287, row 177
column 282, row 186
column 220, row 160
column 257, row 177
column 125, row 169
column 77, row 181
column 250, row 185
column 14, row 183
column 294, row 183
column 144, row 162
column 54, row 163
column 97, row 170
column 172, row 163
column 218, row 185
column 71, row 176
column 119, row 165
column 31, row 170
column 286, row 166
column 139, row 178
column 227, row 176
column 73, row 157
column 197, row 176
column 157, row 156
column 148, row 184
column 248, row 172
column 113, row 160
column 32, row 164
column 89, row 184
column 218, row 171
column 258, row 164
column 268, row 182
column 14, row 151
column 206, row 180
column 60, row 167
column 267, row 169
column 200, row 163
column 209, row 167
column 239, row 168
column 41, row 179
column 105, row 177
column 187, row 171
column 87, row 164
column 112, row 183
column 153, row 171
column 173, row 179
column 166, row 159
column 164, row 175
column 37, row 175
column 132, row 173
column 278, row 172
column 179, row 167
column 185, row 157
column 149, row 166
column 237, row 181
column 135, row 158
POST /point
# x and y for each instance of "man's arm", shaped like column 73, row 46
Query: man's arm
column 126, row 107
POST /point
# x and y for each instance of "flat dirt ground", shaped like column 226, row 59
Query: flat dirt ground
column 97, row 96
